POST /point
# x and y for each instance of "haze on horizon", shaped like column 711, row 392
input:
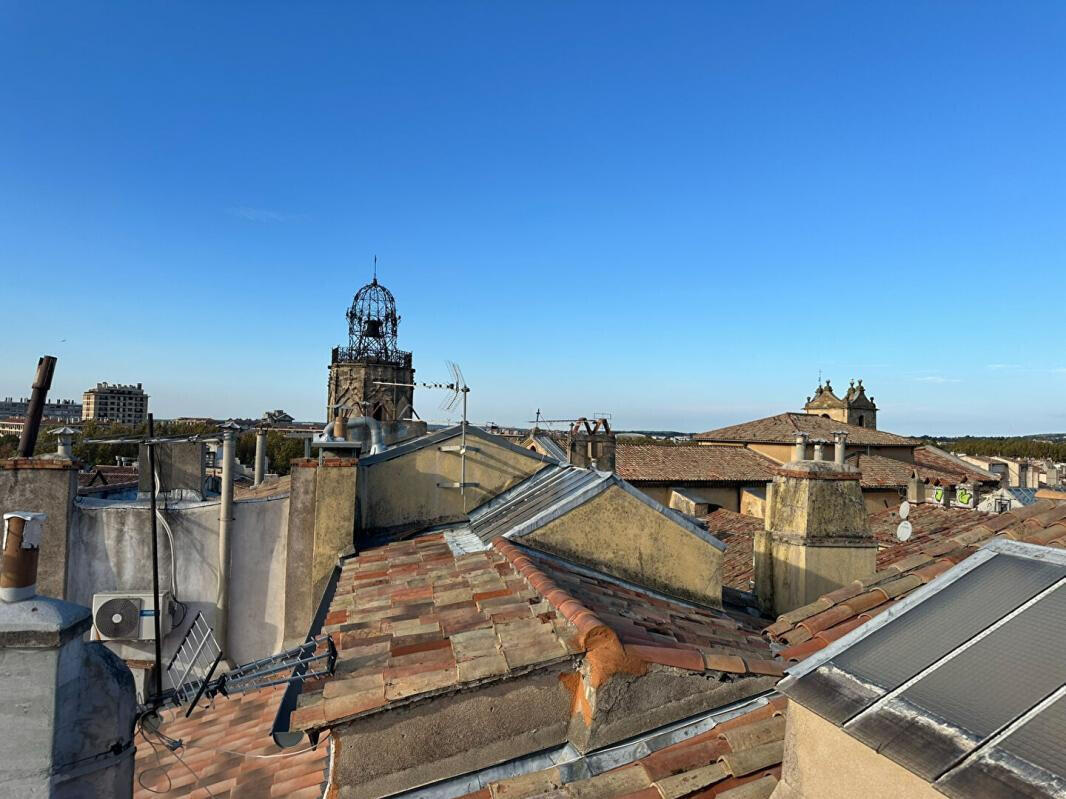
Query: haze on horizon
column 679, row 214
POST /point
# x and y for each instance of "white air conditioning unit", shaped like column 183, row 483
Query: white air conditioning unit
column 129, row 615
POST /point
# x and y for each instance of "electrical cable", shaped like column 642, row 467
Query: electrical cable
column 172, row 745
column 173, row 552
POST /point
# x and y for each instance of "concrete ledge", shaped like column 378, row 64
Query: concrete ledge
column 39, row 463
column 41, row 623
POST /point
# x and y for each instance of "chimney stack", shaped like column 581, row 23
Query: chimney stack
column 800, row 451
column 260, row 455
column 65, row 447
column 819, row 449
column 817, row 536
column 840, row 448
column 22, row 545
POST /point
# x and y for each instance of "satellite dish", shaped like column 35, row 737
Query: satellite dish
column 903, row 532
column 904, row 509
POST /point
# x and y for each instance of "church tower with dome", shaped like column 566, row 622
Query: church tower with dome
column 364, row 374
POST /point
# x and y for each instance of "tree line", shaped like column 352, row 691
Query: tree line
column 1008, row 446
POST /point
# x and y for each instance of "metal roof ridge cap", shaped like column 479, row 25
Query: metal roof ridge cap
column 920, row 594
column 1024, row 549
column 674, row 515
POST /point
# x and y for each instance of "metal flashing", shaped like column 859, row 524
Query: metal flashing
column 447, row 433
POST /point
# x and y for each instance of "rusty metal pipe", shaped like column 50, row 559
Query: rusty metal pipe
column 41, row 384
column 21, row 547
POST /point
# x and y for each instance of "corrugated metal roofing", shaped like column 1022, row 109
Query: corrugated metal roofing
column 551, row 447
column 541, row 493
column 934, row 667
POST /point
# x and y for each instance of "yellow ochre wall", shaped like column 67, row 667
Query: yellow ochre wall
column 617, row 533
column 402, row 492
column 824, row 762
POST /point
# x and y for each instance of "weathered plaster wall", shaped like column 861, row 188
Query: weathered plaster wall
column 719, row 496
column 621, row 535
column 403, row 492
column 335, row 508
column 878, row 499
column 450, row 735
column 299, row 603
column 111, row 551
column 824, row 762
column 753, row 501
column 43, row 486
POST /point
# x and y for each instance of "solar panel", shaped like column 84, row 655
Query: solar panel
column 966, row 699
column 881, row 662
column 1042, row 740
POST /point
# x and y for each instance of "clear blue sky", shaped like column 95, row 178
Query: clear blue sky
column 674, row 212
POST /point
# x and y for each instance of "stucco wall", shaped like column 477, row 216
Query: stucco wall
column 111, row 550
column 402, row 492
column 619, row 534
column 753, row 501
column 48, row 487
column 824, row 762
column 877, row 499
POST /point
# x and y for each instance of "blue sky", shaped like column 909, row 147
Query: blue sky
column 674, row 212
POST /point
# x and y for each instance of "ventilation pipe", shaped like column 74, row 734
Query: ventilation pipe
column 225, row 517
column 340, row 428
column 377, row 439
column 41, row 384
column 22, row 545
column 65, row 446
column 840, row 440
column 260, row 455
column 800, row 451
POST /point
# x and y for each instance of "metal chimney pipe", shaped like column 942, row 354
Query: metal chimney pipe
column 260, row 455
column 840, row 439
column 819, row 449
column 340, row 428
column 65, row 448
column 41, row 384
column 800, row 451
column 229, row 446
column 21, row 546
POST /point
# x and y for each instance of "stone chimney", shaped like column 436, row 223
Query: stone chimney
column 799, row 452
column 817, row 537
column 915, row 489
column 592, row 445
column 819, row 449
column 68, row 705
column 840, row 447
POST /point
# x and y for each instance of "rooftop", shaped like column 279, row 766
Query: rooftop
column 739, row 758
column 815, row 626
column 782, row 429
column 683, row 463
column 936, row 666
column 229, row 748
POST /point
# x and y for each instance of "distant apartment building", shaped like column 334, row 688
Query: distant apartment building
column 125, row 404
column 67, row 410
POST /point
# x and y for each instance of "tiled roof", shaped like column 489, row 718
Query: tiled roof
column 691, row 462
column 931, row 458
column 271, row 487
column 107, row 475
column 782, row 429
column 229, row 748
column 814, row 626
column 411, row 619
column 652, row 627
column 736, row 759
column 737, row 532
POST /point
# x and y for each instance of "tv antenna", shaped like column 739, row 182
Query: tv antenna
column 458, row 393
column 192, row 668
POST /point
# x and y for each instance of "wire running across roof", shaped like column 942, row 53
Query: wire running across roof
column 972, row 666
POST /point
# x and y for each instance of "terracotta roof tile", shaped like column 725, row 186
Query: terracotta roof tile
column 737, row 532
column 220, row 745
column 942, row 537
column 412, row 619
column 782, row 429
column 653, row 627
column 692, row 462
